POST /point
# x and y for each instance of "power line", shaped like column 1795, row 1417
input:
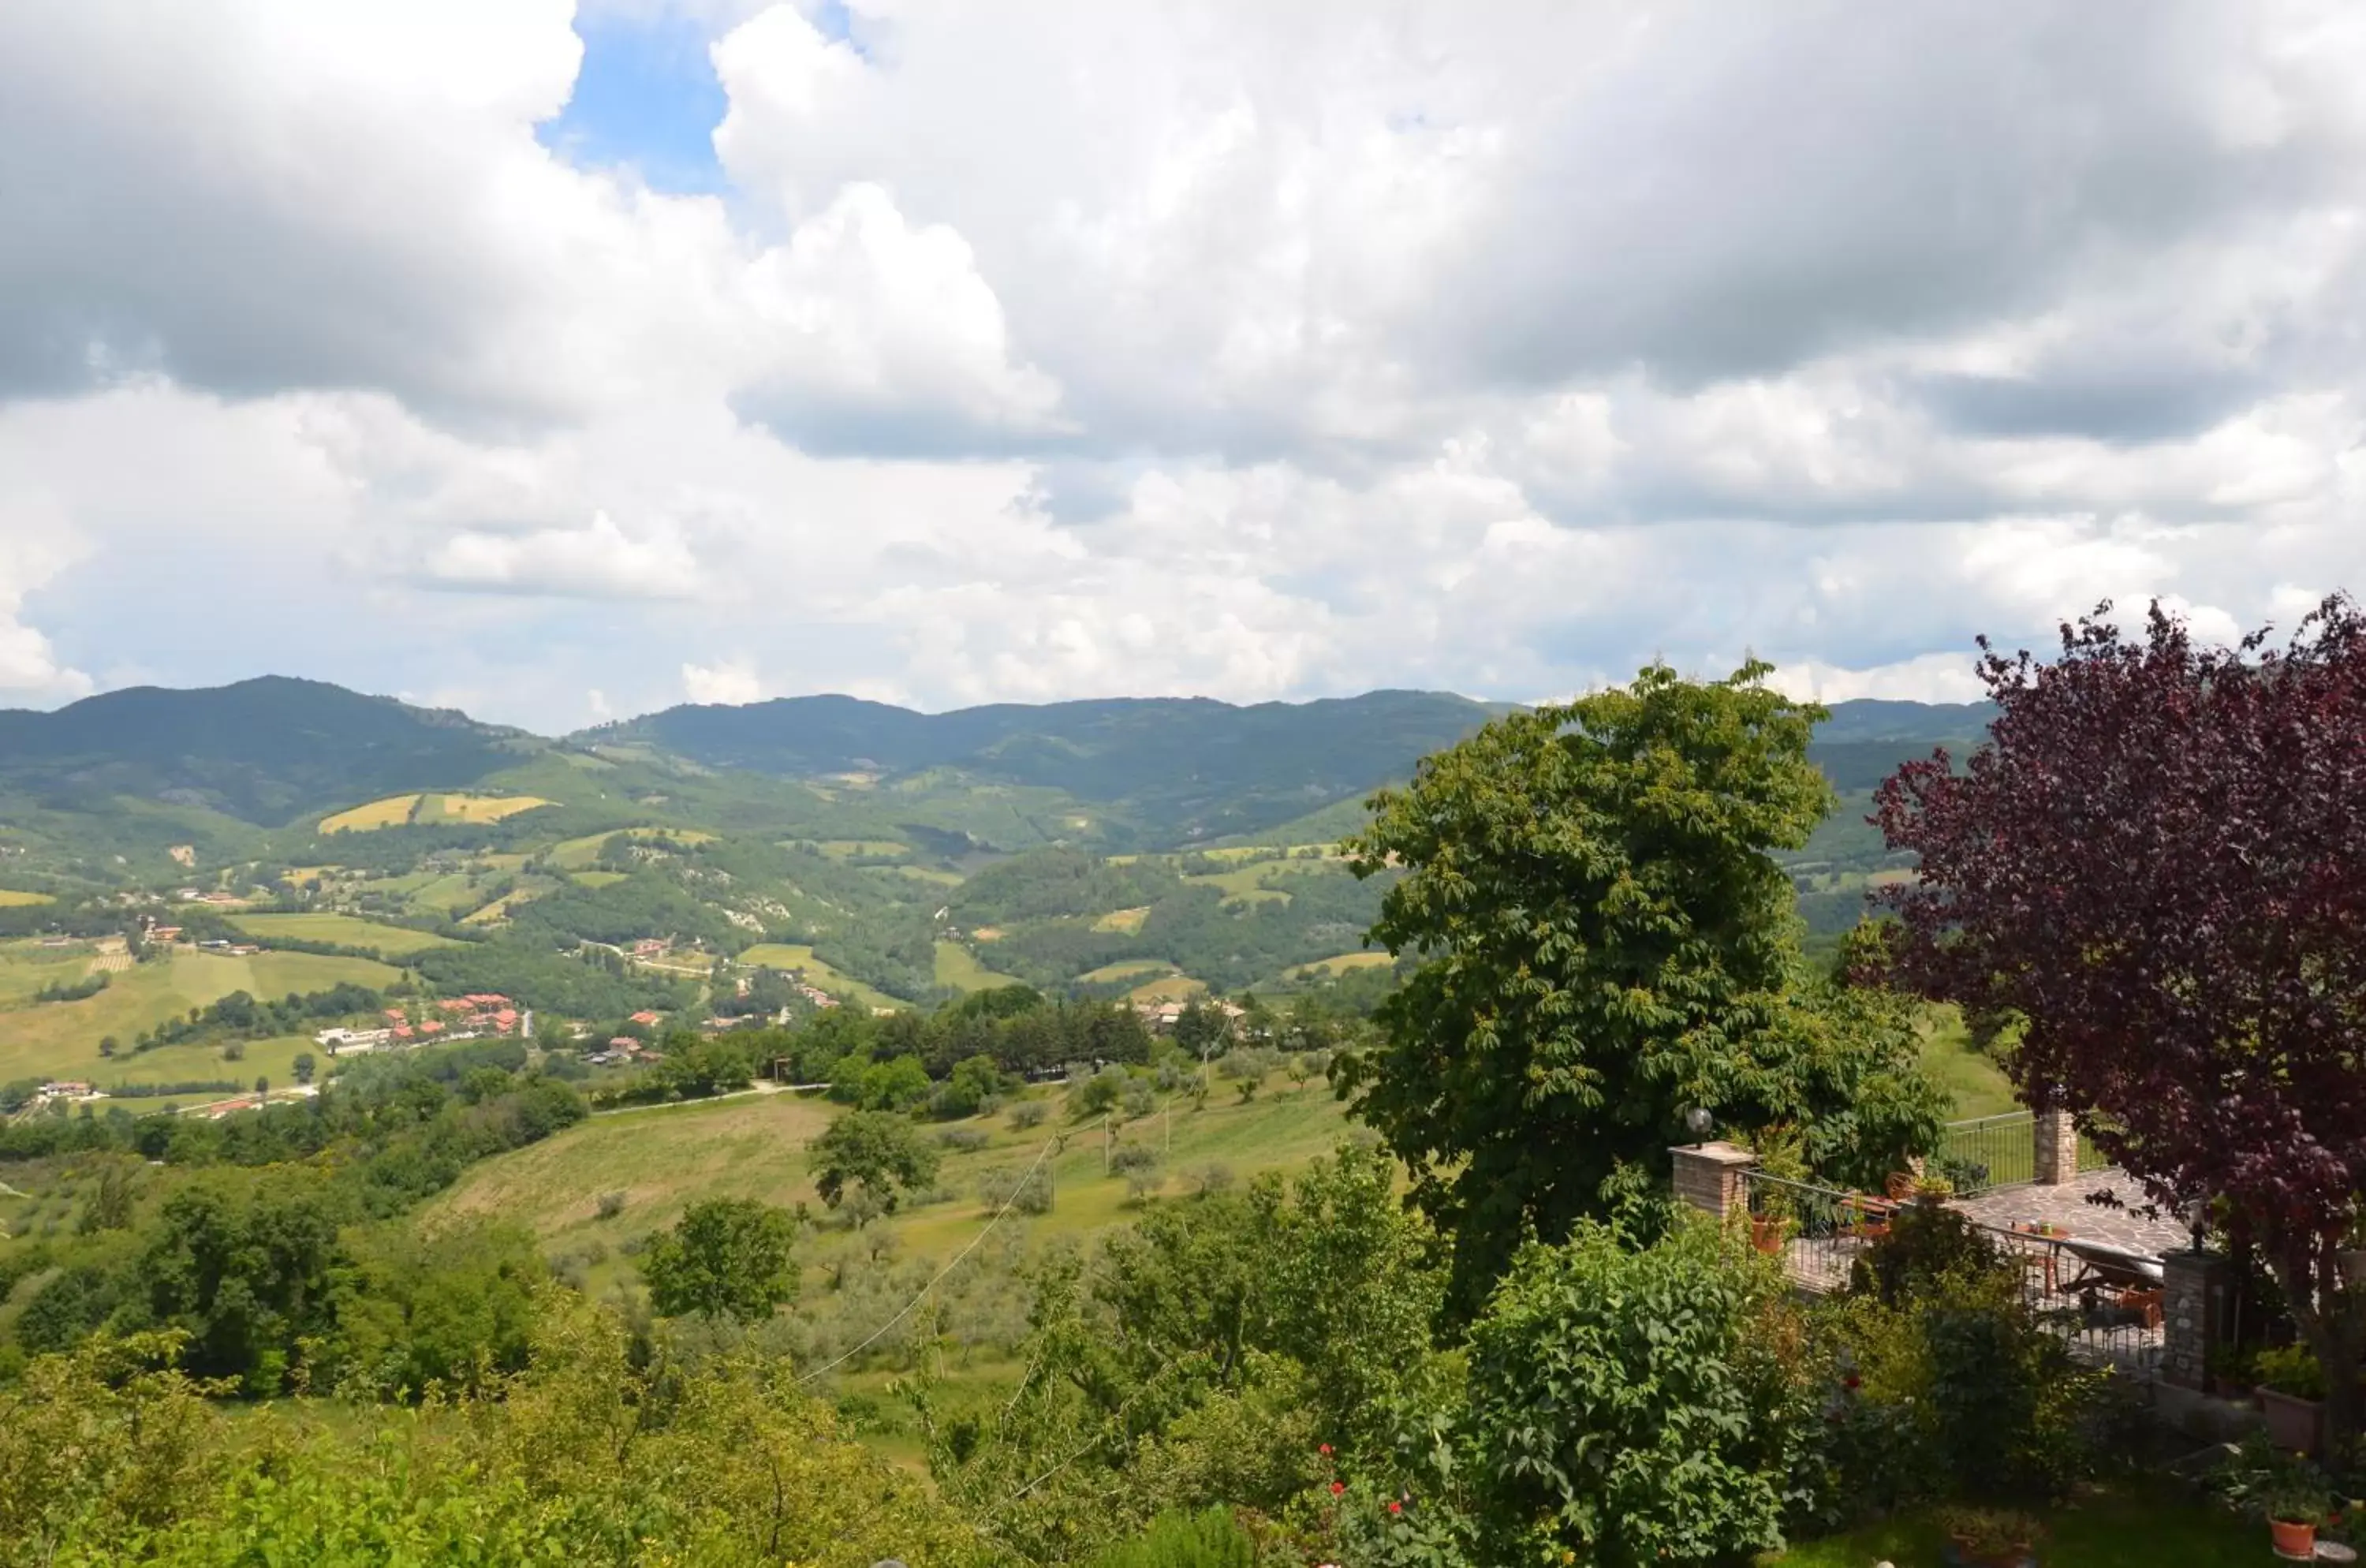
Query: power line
column 1040, row 1156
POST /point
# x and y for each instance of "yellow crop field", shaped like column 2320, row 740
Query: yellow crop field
column 1341, row 963
column 391, row 812
column 1126, row 921
column 396, row 809
column 10, row 899
column 478, row 807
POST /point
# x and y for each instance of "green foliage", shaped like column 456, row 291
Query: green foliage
column 593, row 1451
column 1627, row 1405
column 1604, row 944
column 594, row 984
column 453, row 1311
column 1054, row 881
column 1209, row 1539
column 882, row 1154
column 2291, row 1368
column 727, row 1258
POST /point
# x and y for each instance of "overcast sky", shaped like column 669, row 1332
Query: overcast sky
column 560, row 363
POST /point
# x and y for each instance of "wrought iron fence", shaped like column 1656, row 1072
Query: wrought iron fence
column 1988, row 1152
column 2105, row 1302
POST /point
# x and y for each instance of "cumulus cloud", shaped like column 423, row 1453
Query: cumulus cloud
column 598, row 561
column 1044, row 350
column 729, row 682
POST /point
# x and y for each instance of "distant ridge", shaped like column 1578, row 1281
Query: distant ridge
column 260, row 751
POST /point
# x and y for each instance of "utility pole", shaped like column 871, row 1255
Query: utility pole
column 1107, row 1136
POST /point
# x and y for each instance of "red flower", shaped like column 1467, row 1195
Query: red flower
column 1849, row 1381
column 1325, row 1450
column 1395, row 1507
column 1337, row 1487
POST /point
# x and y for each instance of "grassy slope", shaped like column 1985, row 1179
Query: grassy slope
column 664, row 1158
column 798, row 955
column 347, row 931
column 959, row 967
column 1977, row 1084
column 53, row 1039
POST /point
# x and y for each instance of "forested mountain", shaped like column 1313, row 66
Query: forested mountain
column 260, row 751
column 1180, row 768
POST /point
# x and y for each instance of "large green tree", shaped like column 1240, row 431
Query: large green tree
column 881, row 1152
column 727, row 1258
column 1604, row 944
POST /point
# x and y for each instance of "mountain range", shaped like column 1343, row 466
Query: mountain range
column 277, row 752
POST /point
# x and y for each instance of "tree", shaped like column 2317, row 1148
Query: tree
column 727, row 1258
column 2158, row 867
column 881, row 1151
column 1604, row 944
column 305, row 1067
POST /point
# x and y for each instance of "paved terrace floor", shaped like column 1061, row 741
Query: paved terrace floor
column 2066, row 1206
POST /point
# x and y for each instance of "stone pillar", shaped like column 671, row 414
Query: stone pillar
column 1708, row 1177
column 2195, row 1313
column 2057, row 1148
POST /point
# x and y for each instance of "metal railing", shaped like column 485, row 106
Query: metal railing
column 1988, row 1152
column 2105, row 1302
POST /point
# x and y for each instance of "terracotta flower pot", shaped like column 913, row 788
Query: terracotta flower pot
column 2294, row 1540
column 1766, row 1232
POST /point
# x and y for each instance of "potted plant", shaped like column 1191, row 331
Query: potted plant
column 2294, row 1505
column 1989, row 1538
column 2232, row 1375
column 2292, row 1396
column 1775, row 1208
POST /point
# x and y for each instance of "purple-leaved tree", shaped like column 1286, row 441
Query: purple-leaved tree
column 2160, row 863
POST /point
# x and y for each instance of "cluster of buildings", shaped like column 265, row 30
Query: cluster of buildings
column 1163, row 1017
column 477, row 1016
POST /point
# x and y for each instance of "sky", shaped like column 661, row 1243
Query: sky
column 563, row 362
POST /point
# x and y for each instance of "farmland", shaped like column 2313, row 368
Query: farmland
column 13, row 898
column 799, row 957
column 344, row 931
column 958, row 968
column 398, row 809
column 53, row 1039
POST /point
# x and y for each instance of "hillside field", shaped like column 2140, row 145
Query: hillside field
column 959, row 967
column 798, row 956
column 14, row 899
column 396, row 809
column 344, row 931
column 61, row 1039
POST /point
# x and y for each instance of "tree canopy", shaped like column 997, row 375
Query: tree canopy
column 2160, row 862
column 1604, row 944
column 727, row 1258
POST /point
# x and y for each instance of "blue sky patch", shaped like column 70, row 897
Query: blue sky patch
column 645, row 97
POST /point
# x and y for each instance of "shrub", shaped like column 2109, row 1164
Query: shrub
column 1139, row 1099
column 611, row 1205
column 1628, row 1404
column 1028, row 1115
column 2292, row 1369
column 1026, row 1193
column 1926, row 1243
column 965, row 1140
column 1210, row 1179
column 1128, row 1157
column 1097, row 1095
column 1211, row 1539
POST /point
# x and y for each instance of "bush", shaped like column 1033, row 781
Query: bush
column 1926, row 1243
column 1025, row 1193
column 1210, row 1180
column 1097, row 1095
column 1211, row 1539
column 1627, row 1403
column 1128, row 1157
column 1028, row 1115
column 965, row 1140
column 611, row 1205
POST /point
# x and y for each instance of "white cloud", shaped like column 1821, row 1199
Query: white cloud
column 730, row 683
column 599, row 562
column 1045, row 350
